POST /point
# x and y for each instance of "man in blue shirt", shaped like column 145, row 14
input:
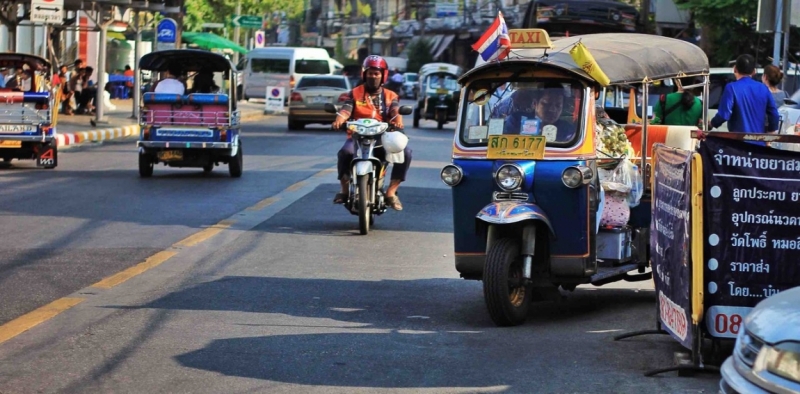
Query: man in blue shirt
column 747, row 105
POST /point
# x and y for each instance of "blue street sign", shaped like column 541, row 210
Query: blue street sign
column 167, row 30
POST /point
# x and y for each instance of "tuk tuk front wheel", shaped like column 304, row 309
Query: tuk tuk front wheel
column 417, row 117
column 507, row 297
column 145, row 165
column 441, row 118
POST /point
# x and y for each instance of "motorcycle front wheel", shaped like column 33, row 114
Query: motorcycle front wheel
column 364, row 208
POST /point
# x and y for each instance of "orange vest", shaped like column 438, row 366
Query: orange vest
column 363, row 107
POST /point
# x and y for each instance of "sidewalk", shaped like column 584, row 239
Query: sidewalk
column 75, row 129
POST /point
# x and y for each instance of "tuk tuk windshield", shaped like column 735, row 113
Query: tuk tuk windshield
column 442, row 81
column 531, row 107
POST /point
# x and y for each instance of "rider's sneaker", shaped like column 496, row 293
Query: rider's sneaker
column 394, row 203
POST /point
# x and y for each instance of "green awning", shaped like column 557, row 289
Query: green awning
column 209, row 41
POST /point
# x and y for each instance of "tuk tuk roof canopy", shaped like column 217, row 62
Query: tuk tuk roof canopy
column 15, row 60
column 185, row 60
column 624, row 57
column 433, row 68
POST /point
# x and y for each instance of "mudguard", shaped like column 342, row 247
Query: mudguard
column 505, row 212
column 363, row 167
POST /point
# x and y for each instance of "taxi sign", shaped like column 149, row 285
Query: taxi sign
column 515, row 147
column 530, row 38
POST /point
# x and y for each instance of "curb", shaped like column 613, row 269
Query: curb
column 65, row 139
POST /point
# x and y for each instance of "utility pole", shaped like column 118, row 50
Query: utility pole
column 236, row 31
column 776, row 47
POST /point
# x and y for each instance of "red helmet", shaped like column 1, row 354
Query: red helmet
column 375, row 61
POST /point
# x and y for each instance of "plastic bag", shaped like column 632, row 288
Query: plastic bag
column 637, row 186
column 617, row 180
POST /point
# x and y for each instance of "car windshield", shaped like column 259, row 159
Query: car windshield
column 442, row 81
column 270, row 66
column 531, row 107
column 312, row 66
column 331, row 83
column 411, row 77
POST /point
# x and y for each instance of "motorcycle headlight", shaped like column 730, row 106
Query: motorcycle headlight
column 509, row 177
column 784, row 360
column 576, row 176
column 451, row 175
column 442, row 98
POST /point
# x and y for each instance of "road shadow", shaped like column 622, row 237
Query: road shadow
column 424, row 210
column 424, row 333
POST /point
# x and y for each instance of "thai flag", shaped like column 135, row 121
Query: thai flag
column 494, row 44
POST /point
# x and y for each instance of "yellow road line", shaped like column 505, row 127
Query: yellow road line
column 137, row 269
column 204, row 235
column 296, row 186
column 36, row 317
column 264, row 203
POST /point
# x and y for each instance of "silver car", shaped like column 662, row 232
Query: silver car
column 308, row 99
column 766, row 358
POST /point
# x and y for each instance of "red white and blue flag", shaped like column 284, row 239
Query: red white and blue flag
column 494, row 44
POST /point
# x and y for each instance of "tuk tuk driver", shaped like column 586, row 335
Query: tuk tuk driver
column 546, row 104
column 371, row 100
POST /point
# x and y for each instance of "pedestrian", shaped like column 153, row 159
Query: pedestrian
column 682, row 108
column 773, row 76
column 745, row 104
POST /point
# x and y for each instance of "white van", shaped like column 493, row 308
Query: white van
column 282, row 66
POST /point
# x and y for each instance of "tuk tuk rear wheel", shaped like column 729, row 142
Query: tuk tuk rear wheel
column 506, row 296
column 236, row 163
column 416, row 117
column 208, row 168
column 145, row 165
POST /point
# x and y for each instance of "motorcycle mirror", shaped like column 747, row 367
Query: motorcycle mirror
column 330, row 108
column 406, row 110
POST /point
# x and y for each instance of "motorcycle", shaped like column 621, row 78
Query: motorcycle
column 366, row 196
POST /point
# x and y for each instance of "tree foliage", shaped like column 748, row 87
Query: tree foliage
column 221, row 11
column 728, row 27
column 419, row 54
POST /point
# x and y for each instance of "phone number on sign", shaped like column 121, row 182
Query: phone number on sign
column 726, row 321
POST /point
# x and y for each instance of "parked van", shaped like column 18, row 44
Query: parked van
column 282, row 66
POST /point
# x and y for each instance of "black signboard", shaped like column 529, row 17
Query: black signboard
column 670, row 241
column 752, row 228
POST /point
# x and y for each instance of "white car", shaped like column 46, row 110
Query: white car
column 766, row 358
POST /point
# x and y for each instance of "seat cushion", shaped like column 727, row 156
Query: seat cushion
column 207, row 98
column 163, row 98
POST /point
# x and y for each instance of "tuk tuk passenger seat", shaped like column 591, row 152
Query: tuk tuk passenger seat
column 213, row 108
column 673, row 136
column 11, row 97
column 164, row 108
column 36, row 97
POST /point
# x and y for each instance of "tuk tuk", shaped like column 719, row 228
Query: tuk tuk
column 530, row 167
column 28, row 110
column 439, row 93
column 196, row 129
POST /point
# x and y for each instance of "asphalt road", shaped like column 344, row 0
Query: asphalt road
column 261, row 284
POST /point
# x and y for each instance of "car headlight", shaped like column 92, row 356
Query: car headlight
column 576, row 176
column 451, row 175
column 509, row 177
column 784, row 360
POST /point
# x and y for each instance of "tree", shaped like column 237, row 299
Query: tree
column 419, row 54
column 220, row 11
column 727, row 28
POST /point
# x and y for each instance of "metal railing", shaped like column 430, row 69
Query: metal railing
column 159, row 117
column 23, row 113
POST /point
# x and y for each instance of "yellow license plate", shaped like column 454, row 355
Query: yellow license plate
column 442, row 91
column 169, row 155
column 10, row 144
column 516, row 147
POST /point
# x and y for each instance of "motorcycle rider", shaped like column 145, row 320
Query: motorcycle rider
column 372, row 101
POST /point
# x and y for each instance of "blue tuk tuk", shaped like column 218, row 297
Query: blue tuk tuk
column 528, row 171
column 197, row 129
column 28, row 110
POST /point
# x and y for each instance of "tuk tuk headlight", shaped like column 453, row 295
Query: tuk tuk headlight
column 451, row 175
column 784, row 360
column 509, row 177
column 576, row 176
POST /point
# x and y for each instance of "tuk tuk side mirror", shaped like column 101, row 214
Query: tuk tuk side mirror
column 405, row 110
column 789, row 101
column 330, row 108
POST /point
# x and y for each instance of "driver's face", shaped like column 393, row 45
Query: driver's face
column 550, row 105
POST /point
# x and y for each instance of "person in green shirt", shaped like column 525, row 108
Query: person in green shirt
column 681, row 108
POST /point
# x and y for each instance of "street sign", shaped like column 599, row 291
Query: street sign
column 167, row 34
column 260, row 39
column 47, row 11
column 275, row 97
column 248, row 21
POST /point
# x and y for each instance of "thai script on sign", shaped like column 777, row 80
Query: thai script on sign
column 760, row 267
column 753, row 218
column 673, row 316
column 755, row 193
column 756, row 162
column 676, row 212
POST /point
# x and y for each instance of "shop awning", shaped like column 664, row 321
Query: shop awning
column 209, row 41
column 446, row 41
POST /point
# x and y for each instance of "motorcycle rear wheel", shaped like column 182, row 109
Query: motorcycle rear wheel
column 364, row 208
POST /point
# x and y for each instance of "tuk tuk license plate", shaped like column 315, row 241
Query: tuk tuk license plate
column 169, row 155
column 10, row 144
column 516, row 147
